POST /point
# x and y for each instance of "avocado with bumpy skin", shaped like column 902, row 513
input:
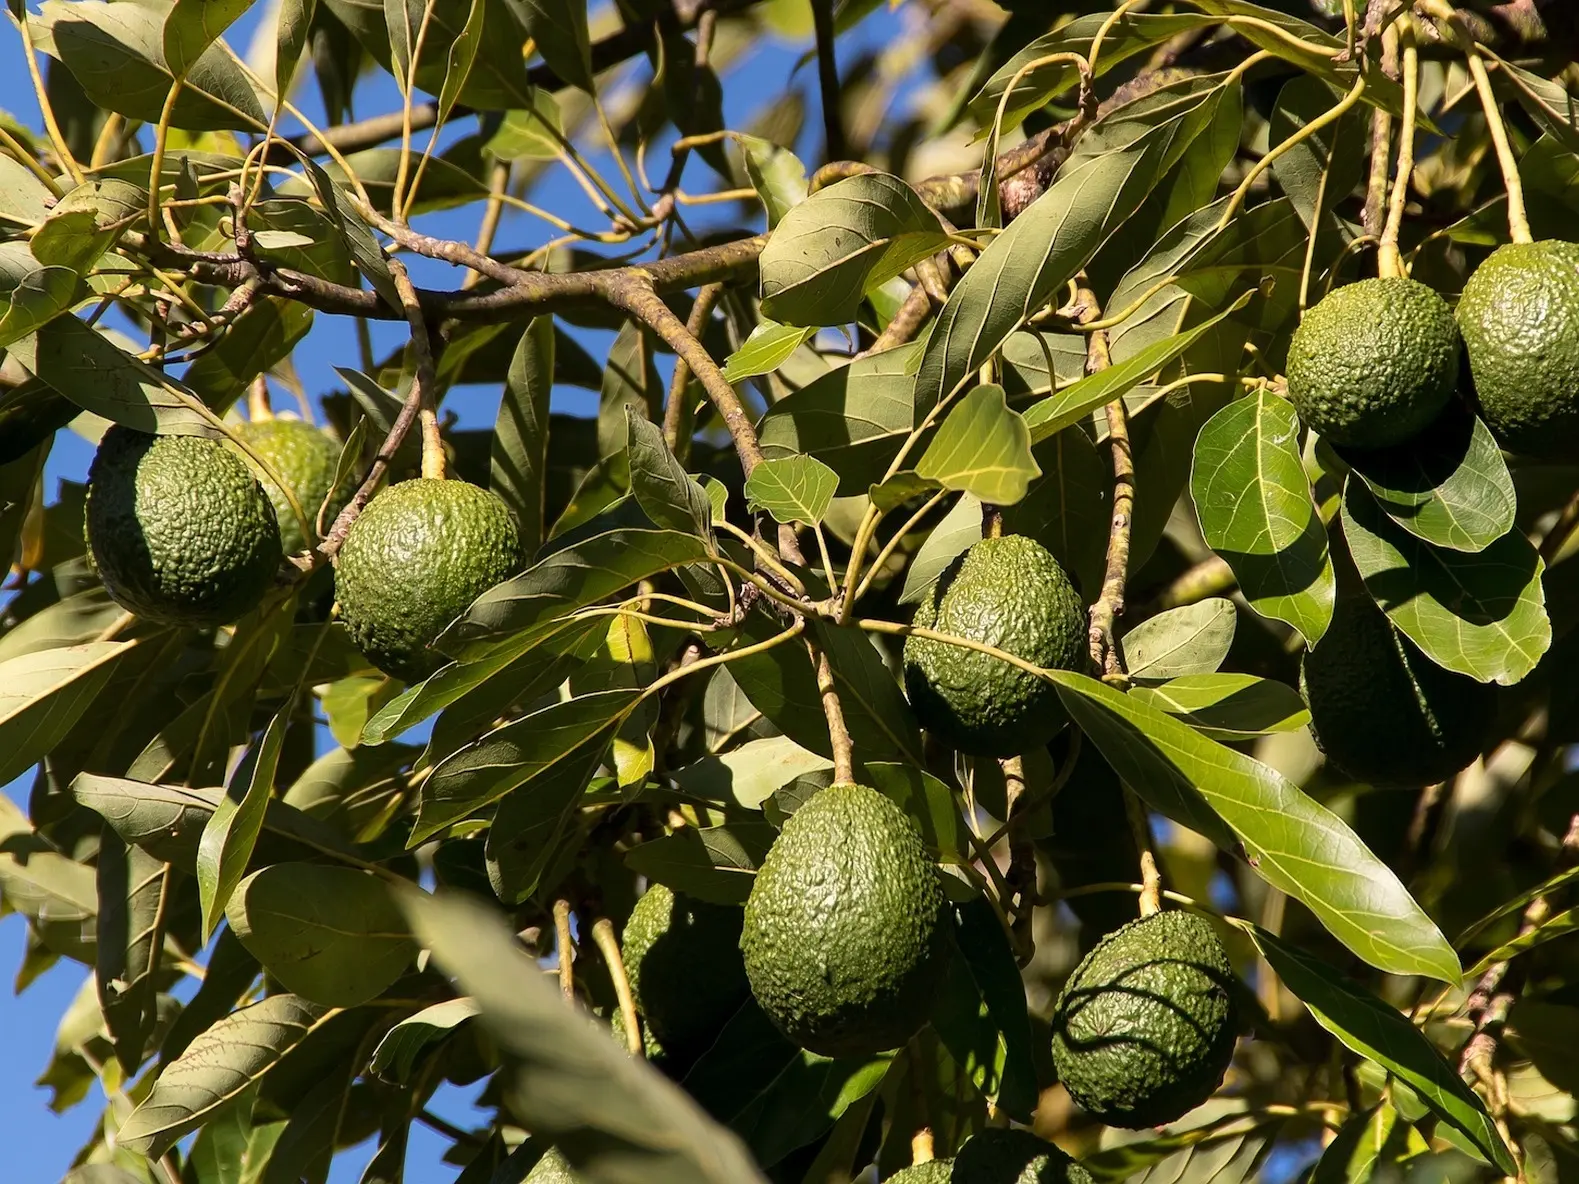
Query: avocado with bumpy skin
column 1014, row 1157
column 1374, row 363
column 1012, row 594
column 844, row 936
column 1382, row 711
column 178, row 528
column 414, row 561
column 686, row 973
column 933, row 1171
column 307, row 459
column 1519, row 315
column 1145, row 1026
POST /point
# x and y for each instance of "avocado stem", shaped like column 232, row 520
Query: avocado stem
column 833, row 710
column 1150, row 876
column 609, row 946
column 1389, row 263
column 565, row 947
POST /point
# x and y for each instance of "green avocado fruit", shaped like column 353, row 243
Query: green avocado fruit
column 1012, row 594
column 307, row 459
column 934, row 1171
column 1382, row 711
column 686, row 972
column 1014, row 1157
column 1374, row 363
column 178, row 528
column 844, row 936
column 1145, row 1026
column 413, row 562
column 1519, row 315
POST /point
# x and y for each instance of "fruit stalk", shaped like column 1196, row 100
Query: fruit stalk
column 1389, row 262
column 565, row 947
column 833, row 710
column 609, row 946
column 1150, row 877
column 1110, row 603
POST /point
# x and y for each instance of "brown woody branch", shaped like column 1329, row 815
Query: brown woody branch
column 1105, row 653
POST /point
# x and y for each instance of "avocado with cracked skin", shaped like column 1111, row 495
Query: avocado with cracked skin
column 178, row 528
column 1519, row 315
column 1382, row 711
column 1145, row 1026
column 1374, row 363
column 307, row 459
column 686, row 973
column 1014, row 1157
column 844, row 936
column 1012, row 594
column 414, row 561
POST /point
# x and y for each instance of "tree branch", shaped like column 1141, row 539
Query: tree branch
column 674, row 408
column 833, row 710
column 1105, row 653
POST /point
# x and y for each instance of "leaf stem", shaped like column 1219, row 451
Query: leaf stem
column 51, row 126
column 1518, row 218
column 156, row 165
column 876, row 566
column 566, row 949
column 1388, row 261
column 424, row 381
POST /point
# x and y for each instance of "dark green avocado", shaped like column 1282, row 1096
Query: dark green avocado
column 844, row 936
column 178, row 528
column 1012, row 594
column 307, row 459
column 1014, row 1157
column 1146, row 1024
column 413, row 562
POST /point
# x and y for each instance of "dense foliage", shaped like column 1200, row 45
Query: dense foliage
column 1027, row 277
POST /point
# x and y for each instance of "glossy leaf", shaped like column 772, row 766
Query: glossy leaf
column 1191, row 640
column 1448, row 486
column 959, row 528
column 1291, row 841
column 713, row 863
column 792, row 489
column 1375, row 1030
column 330, row 934
column 982, row 448
column 194, row 25
column 518, row 461
column 769, row 347
column 747, row 775
column 1482, row 614
column 1229, row 707
column 134, row 889
column 232, row 830
column 1254, row 504
column 218, row 1068
column 43, row 694
column 663, row 489
column 615, row 1119
column 827, row 251
column 395, row 1058
column 1546, row 102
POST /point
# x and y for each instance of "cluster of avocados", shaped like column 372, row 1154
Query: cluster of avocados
column 183, row 533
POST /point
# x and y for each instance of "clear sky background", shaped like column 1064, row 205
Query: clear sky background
column 40, row 1144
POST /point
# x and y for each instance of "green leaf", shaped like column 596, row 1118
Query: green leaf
column 257, row 340
column 194, row 25
column 133, row 889
column 748, row 775
column 330, row 934
column 775, row 173
column 533, row 823
column 1191, row 640
column 663, row 489
column 526, row 607
column 98, row 376
column 462, row 56
column 1253, row 501
column 792, row 489
column 1072, row 404
column 404, row 20
column 632, row 1125
column 1482, row 614
column 1376, row 1030
column 232, row 830
column 1352, row 1157
column 959, row 528
column 1324, row 168
column 712, row 863
column 43, row 694
column 1229, row 707
column 930, row 803
column 509, row 757
column 996, row 992
column 1561, row 925
column 1041, row 250
column 532, row 133
column 354, row 232
column 290, row 39
column 1291, row 841
column 395, row 1058
column 830, row 249
column 216, row 1069
column 1552, row 108
column 116, row 51
column 983, row 448
column 559, row 30
column 1448, row 486
column 32, row 294
column 853, row 418
column 55, row 893
column 769, row 347
column 879, row 718
column 902, row 487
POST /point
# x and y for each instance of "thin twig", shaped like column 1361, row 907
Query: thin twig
column 1381, row 140
column 609, row 946
column 566, row 948
column 1105, row 652
column 424, row 381
column 675, row 408
column 833, row 710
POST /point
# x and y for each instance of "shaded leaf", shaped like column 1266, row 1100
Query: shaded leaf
column 959, row 528
column 395, row 1058
column 663, row 489
column 42, row 694
column 792, row 489
column 533, row 822
column 775, row 173
column 231, row 832
column 1229, row 707
column 293, row 25
column 712, row 863
column 982, row 448
column 32, row 294
column 1292, row 841
column 133, row 890
column 1253, row 501
column 1191, row 640
column 518, row 461
column 559, row 30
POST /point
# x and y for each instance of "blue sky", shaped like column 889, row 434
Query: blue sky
column 40, row 1144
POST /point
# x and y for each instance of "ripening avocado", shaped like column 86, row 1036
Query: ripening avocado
column 1385, row 713
column 844, row 936
column 307, row 458
column 1374, row 363
column 686, row 973
column 934, row 1171
column 1009, row 593
column 997, row 1156
column 413, row 562
column 1520, row 318
column 178, row 528
column 1146, row 1024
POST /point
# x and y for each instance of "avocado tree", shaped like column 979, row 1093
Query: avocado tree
column 918, row 591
